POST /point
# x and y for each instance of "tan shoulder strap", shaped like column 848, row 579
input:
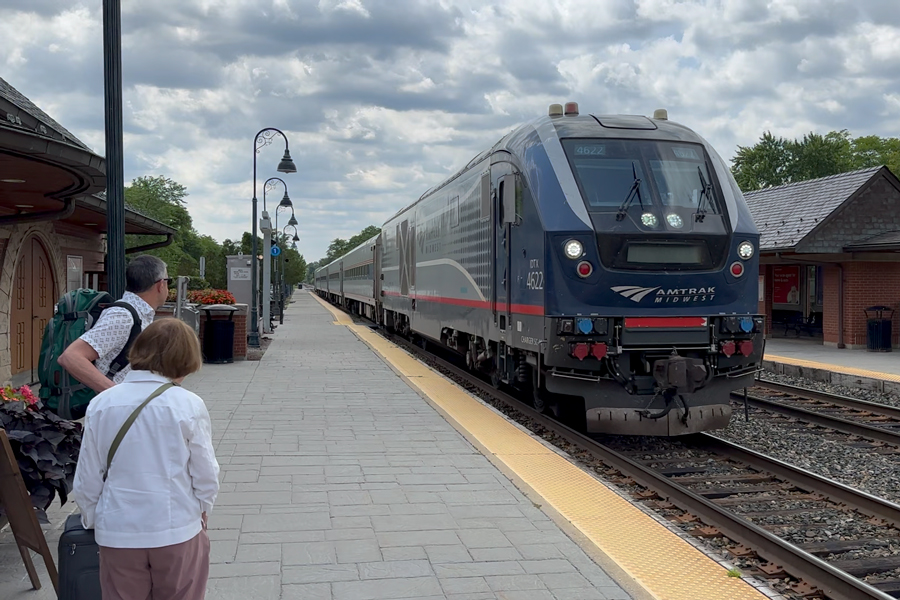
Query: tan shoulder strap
column 128, row 423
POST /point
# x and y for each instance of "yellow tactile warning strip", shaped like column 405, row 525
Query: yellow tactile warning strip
column 799, row 362
column 666, row 566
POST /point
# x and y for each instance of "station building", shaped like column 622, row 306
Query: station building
column 829, row 250
column 52, row 227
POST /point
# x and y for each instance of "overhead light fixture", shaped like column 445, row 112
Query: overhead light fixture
column 24, row 205
column 90, row 224
column 12, row 181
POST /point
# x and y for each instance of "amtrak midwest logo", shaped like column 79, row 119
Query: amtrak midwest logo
column 666, row 295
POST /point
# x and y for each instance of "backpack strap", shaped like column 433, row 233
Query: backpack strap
column 121, row 359
column 128, row 423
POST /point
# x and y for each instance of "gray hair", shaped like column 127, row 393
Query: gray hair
column 142, row 272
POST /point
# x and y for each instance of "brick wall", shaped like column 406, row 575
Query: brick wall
column 865, row 284
column 765, row 307
column 830, row 304
column 869, row 284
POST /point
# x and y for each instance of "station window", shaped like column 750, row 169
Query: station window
column 74, row 272
column 454, row 211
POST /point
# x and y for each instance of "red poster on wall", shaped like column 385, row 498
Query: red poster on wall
column 786, row 285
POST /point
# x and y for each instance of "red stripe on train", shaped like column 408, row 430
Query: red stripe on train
column 664, row 322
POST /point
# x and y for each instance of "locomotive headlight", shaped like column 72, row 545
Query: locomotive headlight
column 674, row 221
column 649, row 220
column 574, row 249
column 745, row 250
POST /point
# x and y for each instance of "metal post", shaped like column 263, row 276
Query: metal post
column 267, row 281
column 281, row 287
column 253, row 338
column 115, row 178
column 746, row 407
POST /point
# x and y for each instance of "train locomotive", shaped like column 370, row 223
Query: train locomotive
column 606, row 265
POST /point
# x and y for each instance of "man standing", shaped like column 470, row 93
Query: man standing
column 88, row 358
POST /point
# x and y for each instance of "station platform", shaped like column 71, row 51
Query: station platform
column 809, row 358
column 351, row 471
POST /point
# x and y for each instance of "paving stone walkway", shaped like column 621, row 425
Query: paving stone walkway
column 340, row 482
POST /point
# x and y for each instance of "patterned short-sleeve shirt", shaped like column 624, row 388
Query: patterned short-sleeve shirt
column 110, row 334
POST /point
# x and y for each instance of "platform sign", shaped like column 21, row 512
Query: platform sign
column 786, row 285
column 276, row 250
column 240, row 274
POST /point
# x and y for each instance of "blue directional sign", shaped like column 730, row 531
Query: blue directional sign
column 276, row 250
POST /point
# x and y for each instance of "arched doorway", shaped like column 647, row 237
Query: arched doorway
column 33, row 297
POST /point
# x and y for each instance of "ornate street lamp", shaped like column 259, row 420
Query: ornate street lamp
column 280, row 264
column 291, row 223
column 270, row 184
column 285, row 203
column 263, row 139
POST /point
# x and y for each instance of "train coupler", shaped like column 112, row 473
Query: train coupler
column 680, row 374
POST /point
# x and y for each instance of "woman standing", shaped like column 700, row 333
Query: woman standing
column 149, row 510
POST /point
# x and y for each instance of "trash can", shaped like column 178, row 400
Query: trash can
column 218, row 334
column 878, row 328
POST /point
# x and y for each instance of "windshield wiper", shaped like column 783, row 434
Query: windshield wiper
column 705, row 190
column 634, row 191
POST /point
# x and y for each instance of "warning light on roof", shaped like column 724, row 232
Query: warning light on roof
column 661, row 114
column 571, row 108
column 556, row 110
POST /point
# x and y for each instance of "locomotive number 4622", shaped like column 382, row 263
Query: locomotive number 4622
column 535, row 280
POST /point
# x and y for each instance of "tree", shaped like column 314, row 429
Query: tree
column 776, row 161
column 163, row 199
column 340, row 247
column 363, row 236
column 311, row 271
column 336, row 248
column 761, row 165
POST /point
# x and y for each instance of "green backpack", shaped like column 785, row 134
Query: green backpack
column 76, row 313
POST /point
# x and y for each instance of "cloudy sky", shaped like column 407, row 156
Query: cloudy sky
column 382, row 99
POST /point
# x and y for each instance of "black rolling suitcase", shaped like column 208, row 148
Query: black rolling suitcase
column 79, row 562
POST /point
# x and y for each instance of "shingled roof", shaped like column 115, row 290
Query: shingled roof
column 11, row 94
column 883, row 241
column 788, row 213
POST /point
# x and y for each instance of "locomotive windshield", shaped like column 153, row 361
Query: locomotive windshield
column 646, row 173
column 654, row 202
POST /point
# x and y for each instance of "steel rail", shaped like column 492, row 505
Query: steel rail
column 837, row 423
column 836, row 584
column 807, row 480
column 846, row 401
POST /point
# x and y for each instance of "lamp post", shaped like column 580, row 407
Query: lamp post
column 281, row 291
column 268, row 234
column 263, row 139
column 285, row 203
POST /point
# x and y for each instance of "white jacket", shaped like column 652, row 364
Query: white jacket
column 164, row 474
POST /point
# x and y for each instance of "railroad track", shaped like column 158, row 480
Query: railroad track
column 869, row 420
column 729, row 491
